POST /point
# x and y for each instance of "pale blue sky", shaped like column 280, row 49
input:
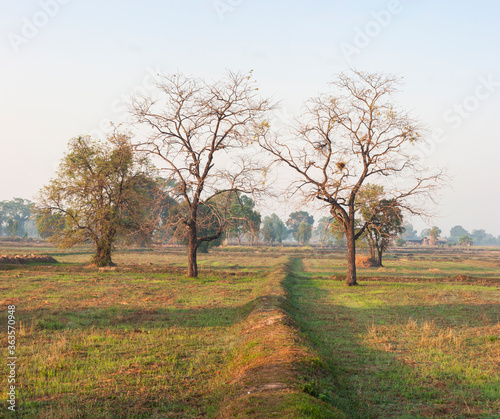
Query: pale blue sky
column 68, row 75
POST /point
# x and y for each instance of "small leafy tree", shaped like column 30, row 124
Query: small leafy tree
column 243, row 219
column 273, row 229
column 103, row 192
column 304, row 233
column 465, row 240
column 294, row 221
column 12, row 227
column 49, row 223
column 210, row 222
column 14, row 215
column 458, row 231
column 434, row 233
column 385, row 225
column 383, row 219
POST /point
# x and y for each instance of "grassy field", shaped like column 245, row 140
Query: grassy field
column 417, row 338
column 263, row 332
column 142, row 340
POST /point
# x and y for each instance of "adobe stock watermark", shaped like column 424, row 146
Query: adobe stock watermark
column 120, row 107
column 222, row 7
column 11, row 358
column 364, row 36
column 31, row 27
column 459, row 112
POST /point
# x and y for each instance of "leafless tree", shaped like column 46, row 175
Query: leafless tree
column 203, row 133
column 349, row 137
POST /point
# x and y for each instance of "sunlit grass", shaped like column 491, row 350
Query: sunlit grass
column 418, row 338
column 93, row 342
column 402, row 349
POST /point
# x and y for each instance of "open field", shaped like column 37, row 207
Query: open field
column 420, row 338
column 263, row 332
column 143, row 339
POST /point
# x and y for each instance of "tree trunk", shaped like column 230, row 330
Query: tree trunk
column 351, row 256
column 102, row 255
column 192, row 253
column 371, row 245
column 379, row 257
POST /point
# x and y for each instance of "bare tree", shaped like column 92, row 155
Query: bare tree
column 347, row 138
column 198, row 131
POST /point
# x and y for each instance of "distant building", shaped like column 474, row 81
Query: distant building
column 426, row 241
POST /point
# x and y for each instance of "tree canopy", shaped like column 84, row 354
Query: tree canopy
column 14, row 215
column 197, row 131
column 102, row 191
column 293, row 224
column 273, row 229
column 351, row 136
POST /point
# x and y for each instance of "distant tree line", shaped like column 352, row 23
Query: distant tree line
column 15, row 218
column 458, row 236
column 213, row 149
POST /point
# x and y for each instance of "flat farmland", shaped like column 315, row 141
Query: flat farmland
column 142, row 340
column 263, row 332
column 419, row 337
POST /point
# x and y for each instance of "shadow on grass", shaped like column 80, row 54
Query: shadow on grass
column 101, row 400
column 364, row 382
column 130, row 318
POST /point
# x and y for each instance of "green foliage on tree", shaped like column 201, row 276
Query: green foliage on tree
column 12, row 227
column 219, row 217
column 482, row 238
column 400, row 241
column 294, row 221
column 210, row 222
column 14, row 216
column 434, row 233
column 273, row 229
column 382, row 217
column 337, row 232
column 304, row 233
column 49, row 223
column 409, row 232
column 465, row 240
column 243, row 219
column 104, row 192
column 458, row 231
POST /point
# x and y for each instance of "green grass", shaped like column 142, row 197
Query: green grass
column 142, row 340
column 93, row 342
column 400, row 349
column 418, row 338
